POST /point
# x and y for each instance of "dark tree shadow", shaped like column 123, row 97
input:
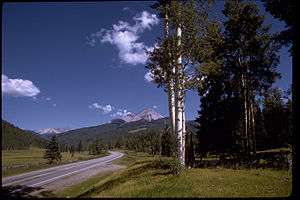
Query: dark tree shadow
column 22, row 191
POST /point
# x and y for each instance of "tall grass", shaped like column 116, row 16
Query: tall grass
column 145, row 179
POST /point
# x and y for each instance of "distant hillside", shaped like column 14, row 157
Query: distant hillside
column 16, row 138
column 114, row 129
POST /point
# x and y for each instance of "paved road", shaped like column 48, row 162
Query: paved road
column 51, row 175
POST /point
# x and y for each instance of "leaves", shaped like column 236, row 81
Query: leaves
column 52, row 151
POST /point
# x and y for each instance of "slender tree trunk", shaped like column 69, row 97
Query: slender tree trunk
column 179, row 101
column 253, row 127
column 176, row 109
column 184, row 138
column 170, row 81
column 245, row 137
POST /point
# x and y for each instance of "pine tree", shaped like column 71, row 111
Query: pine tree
column 52, row 151
column 80, row 147
column 283, row 10
column 168, row 143
column 250, row 57
column 189, row 150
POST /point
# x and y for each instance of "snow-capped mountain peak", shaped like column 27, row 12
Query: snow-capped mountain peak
column 53, row 130
column 146, row 114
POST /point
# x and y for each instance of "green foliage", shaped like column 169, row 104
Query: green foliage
column 283, row 10
column 80, row 147
column 97, row 147
column 112, row 131
column 168, row 143
column 219, row 116
column 173, row 165
column 149, row 142
column 190, row 141
column 277, row 118
column 52, row 151
column 16, row 138
column 241, row 67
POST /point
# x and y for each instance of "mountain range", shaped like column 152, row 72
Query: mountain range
column 147, row 114
column 131, row 124
column 53, row 130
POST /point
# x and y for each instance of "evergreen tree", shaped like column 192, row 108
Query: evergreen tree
column 219, row 115
column 277, row 118
column 52, row 150
column 189, row 150
column 97, row 147
column 72, row 149
column 168, row 143
column 283, row 10
column 80, row 147
column 250, row 57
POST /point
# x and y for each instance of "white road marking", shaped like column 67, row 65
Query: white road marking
column 61, row 176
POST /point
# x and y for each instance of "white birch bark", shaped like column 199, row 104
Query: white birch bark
column 171, row 100
column 179, row 101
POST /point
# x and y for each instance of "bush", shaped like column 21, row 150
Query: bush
column 281, row 160
column 173, row 165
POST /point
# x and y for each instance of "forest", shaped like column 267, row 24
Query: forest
column 232, row 64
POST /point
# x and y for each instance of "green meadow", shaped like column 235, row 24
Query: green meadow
column 34, row 158
column 144, row 178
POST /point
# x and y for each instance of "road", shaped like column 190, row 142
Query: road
column 52, row 178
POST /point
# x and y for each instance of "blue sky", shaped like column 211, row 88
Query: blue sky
column 68, row 64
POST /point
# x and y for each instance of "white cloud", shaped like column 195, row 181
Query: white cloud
column 125, row 37
column 120, row 113
column 156, row 106
column 54, row 105
column 126, row 8
column 145, row 19
column 106, row 109
column 148, row 77
column 18, row 87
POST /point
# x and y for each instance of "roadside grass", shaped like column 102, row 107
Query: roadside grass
column 34, row 158
column 80, row 188
column 144, row 179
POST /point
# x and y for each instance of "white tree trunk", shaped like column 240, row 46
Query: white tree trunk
column 179, row 102
column 183, row 126
column 171, row 100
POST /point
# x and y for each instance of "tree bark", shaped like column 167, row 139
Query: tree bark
column 253, row 127
column 170, row 80
column 179, row 101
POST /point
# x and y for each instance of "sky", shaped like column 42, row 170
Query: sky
column 82, row 64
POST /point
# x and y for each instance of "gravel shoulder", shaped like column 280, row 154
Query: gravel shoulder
column 62, row 184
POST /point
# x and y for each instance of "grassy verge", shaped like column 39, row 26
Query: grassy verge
column 35, row 155
column 80, row 188
column 143, row 178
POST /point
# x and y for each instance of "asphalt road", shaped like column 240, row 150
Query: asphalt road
column 51, row 175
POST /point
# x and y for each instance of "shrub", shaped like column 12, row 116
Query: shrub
column 173, row 165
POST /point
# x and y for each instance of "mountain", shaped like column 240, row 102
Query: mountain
column 53, row 130
column 16, row 138
column 147, row 114
column 132, row 124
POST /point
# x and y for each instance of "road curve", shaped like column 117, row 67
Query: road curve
column 50, row 175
